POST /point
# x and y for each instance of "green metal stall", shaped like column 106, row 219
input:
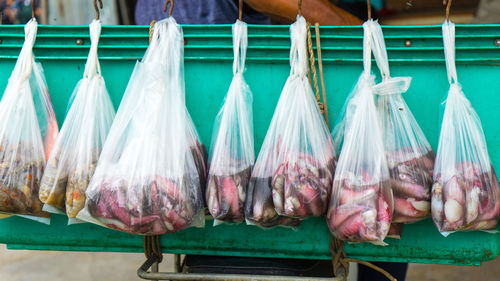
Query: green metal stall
column 415, row 51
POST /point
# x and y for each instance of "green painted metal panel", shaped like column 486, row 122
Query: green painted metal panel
column 208, row 67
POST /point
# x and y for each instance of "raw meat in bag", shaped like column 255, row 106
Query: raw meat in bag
column 28, row 128
column 465, row 194
column 150, row 174
column 409, row 154
column 293, row 173
column 79, row 144
column 232, row 143
column 361, row 204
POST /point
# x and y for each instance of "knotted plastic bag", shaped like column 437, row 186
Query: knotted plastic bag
column 151, row 171
column 361, row 204
column 465, row 193
column 293, row 173
column 78, row 146
column 28, row 129
column 409, row 154
column 232, row 153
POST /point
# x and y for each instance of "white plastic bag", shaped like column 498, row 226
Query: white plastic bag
column 28, row 129
column 293, row 173
column 151, row 171
column 361, row 204
column 232, row 153
column 409, row 154
column 79, row 144
column 465, row 194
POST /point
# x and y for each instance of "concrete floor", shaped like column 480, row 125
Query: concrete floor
column 17, row 265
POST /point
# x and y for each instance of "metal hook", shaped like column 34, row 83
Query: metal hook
column 240, row 9
column 33, row 8
column 448, row 6
column 369, row 4
column 171, row 7
column 97, row 14
column 300, row 7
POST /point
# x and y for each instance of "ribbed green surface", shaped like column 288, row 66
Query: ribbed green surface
column 208, row 67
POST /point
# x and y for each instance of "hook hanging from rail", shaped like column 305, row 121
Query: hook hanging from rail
column 369, row 6
column 171, row 7
column 32, row 8
column 300, row 7
column 240, row 10
column 97, row 14
column 448, row 6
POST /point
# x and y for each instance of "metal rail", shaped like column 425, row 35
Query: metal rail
column 143, row 273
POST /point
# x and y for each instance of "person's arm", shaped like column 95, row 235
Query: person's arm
column 320, row 11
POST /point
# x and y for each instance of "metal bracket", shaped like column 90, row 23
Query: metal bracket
column 143, row 273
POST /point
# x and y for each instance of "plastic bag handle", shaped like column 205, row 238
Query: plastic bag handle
column 367, row 47
column 379, row 49
column 92, row 67
column 449, row 50
column 24, row 64
column 298, row 51
column 240, row 43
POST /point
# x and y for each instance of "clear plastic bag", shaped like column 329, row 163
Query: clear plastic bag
column 232, row 152
column 28, row 129
column 293, row 173
column 361, row 204
column 465, row 194
column 79, row 144
column 409, row 154
column 150, row 174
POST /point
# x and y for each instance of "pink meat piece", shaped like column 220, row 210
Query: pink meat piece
column 102, row 210
column 408, row 189
column 384, row 210
column 348, row 195
column 405, row 208
column 144, row 220
column 352, row 227
column 230, row 194
column 341, row 213
column 308, row 194
column 453, row 190
column 158, row 227
column 493, row 213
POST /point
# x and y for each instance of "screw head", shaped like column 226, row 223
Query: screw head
column 408, row 43
column 497, row 42
column 79, row 41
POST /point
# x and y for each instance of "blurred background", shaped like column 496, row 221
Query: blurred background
column 390, row 12
column 80, row 266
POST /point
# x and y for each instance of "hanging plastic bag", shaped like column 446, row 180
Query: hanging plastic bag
column 232, row 142
column 78, row 146
column 409, row 154
column 361, row 204
column 465, row 194
column 148, row 179
column 28, row 128
column 293, row 173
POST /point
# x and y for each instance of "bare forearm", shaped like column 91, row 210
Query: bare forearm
column 321, row 11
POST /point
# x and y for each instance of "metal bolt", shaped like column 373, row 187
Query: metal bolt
column 408, row 43
column 79, row 41
column 497, row 42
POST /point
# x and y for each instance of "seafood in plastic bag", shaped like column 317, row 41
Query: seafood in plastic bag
column 28, row 128
column 79, row 144
column 151, row 171
column 465, row 194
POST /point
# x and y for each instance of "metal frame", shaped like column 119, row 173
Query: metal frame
column 152, row 263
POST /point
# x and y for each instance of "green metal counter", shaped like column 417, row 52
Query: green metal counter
column 413, row 51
